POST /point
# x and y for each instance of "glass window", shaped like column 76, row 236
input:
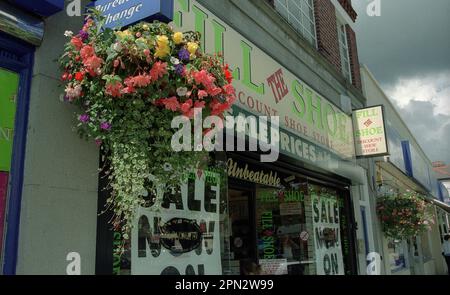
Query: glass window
column 300, row 14
column 397, row 255
column 344, row 51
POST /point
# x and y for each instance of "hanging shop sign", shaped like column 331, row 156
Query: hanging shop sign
column 181, row 235
column 123, row 13
column 265, row 88
column 327, row 236
column 3, row 193
column 370, row 132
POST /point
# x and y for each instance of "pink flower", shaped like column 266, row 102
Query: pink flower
column 93, row 63
column 203, row 77
column 158, row 70
column 170, row 103
column 73, row 92
column 199, row 104
column 185, row 107
column 142, row 80
column 77, row 42
column 202, row 94
column 114, row 89
column 214, row 91
column 229, row 89
column 87, row 51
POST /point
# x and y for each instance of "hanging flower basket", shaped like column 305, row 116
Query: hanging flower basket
column 129, row 85
column 404, row 215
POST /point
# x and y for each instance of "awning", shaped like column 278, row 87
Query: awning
column 19, row 24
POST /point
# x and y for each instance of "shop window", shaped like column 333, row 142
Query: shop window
column 344, row 50
column 300, row 14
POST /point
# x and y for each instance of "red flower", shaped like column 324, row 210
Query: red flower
column 79, row 76
column 229, row 89
column 141, row 80
column 228, row 74
column 77, row 42
column 202, row 94
column 93, row 63
column 87, row 51
column 185, row 107
column 114, row 89
column 214, row 91
column 199, row 104
column 169, row 103
column 158, row 70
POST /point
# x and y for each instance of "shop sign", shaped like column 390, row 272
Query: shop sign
column 122, row 13
column 273, row 266
column 327, row 236
column 244, row 172
column 296, row 146
column 3, row 193
column 182, row 236
column 370, row 132
column 265, row 88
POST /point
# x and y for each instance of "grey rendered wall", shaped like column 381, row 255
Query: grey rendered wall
column 59, row 200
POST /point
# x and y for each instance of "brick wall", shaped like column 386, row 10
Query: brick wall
column 327, row 34
column 354, row 60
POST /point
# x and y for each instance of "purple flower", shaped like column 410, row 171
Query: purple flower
column 84, row 118
column 184, row 55
column 179, row 69
column 98, row 142
column 83, row 35
column 105, row 126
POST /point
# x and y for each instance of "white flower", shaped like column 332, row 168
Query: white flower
column 68, row 33
column 167, row 167
column 174, row 60
column 182, row 91
column 117, row 47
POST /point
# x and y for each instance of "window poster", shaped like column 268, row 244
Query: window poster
column 327, row 242
column 181, row 235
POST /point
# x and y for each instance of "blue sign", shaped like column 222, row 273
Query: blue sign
column 123, row 13
column 40, row 7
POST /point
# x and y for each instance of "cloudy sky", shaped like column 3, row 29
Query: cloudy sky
column 407, row 48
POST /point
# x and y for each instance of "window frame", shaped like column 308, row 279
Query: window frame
column 310, row 37
column 344, row 46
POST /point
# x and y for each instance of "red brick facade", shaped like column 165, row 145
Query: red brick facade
column 327, row 33
column 354, row 60
column 347, row 5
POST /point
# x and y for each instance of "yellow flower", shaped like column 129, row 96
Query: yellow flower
column 124, row 34
column 162, row 41
column 178, row 38
column 162, row 51
column 145, row 27
column 192, row 47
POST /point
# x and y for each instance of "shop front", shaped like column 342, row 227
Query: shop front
column 290, row 216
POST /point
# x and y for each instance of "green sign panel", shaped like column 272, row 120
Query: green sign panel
column 9, row 82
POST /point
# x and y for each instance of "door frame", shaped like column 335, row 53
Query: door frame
column 16, row 56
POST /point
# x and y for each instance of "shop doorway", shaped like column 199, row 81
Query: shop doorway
column 299, row 228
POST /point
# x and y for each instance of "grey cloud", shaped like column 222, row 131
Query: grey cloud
column 410, row 37
column 432, row 132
